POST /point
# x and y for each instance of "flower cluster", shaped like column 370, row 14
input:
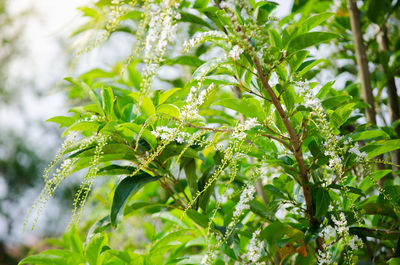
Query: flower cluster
column 243, row 204
column 331, row 144
column 341, row 225
column 209, row 258
column 332, row 234
column 117, row 12
column 360, row 156
column 193, row 101
column 89, row 178
column 355, row 243
column 235, row 52
column 171, row 134
column 324, row 257
column 239, row 133
column 201, row 38
column 254, row 249
column 161, row 31
column 228, row 4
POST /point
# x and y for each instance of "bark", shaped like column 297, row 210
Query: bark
column 393, row 98
column 363, row 71
column 362, row 62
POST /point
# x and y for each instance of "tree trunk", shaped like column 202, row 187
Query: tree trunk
column 363, row 71
column 393, row 99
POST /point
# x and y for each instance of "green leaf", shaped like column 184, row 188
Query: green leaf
column 146, row 134
column 274, row 232
column 167, row 94
column 189, row 165
column 63, row 121
column 309, row 39
column 108, row 101
column 347, row 188
column 164, row 243
column 221, row 80
column 147, row 106
column 314, row 21
column 342, row 113
column 205, row 68
column 296, row 60
column 322, row 201
column 126, row 188
column 169, row 109
column 333, row 102
column 185, row 60
column 376, row 176
column 200, row 4
column 263, row 11
column 90, row 92
column 169, row 217
column 250, row 107
column 93, row 248
column 377, row 9
column 51, row 257
column 394, row 261
column 370, row 134
column 381, row 147
column 325, row 89
column 275, row 38
column 188, row 17
column 198, row 218
column 307, row 66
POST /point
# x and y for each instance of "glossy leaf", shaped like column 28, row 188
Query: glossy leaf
column 126, row 188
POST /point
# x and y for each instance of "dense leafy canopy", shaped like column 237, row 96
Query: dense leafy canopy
column 242, row 157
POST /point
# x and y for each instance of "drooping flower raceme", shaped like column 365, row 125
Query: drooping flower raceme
column 193, row 101
column 161, row 31
column 254, row 249
column 202, row 38
column 243, row 204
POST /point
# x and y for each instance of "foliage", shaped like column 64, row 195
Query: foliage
column 240, row 158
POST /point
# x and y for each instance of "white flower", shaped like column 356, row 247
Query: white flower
column 335, row 163
column 250, row 123
column 254, row 249
column 246, row 196
column 235, row 52
column 228, row 4
column 355, row 243
column 341, row 225
column 201, row 38
column 324, row 257
column 361, row 156
column 209, row 258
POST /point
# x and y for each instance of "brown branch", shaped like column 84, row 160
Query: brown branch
column 294, row 139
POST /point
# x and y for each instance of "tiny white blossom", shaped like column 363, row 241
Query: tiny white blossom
column 235, row 52
column 246, row 196
column 355, row 243
column 250, row 123
column 254, row 249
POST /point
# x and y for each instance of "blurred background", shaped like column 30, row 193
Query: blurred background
column 34, row 58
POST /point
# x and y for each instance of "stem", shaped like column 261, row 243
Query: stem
column 295, row 141
column 362, row 62
column 393, row 98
